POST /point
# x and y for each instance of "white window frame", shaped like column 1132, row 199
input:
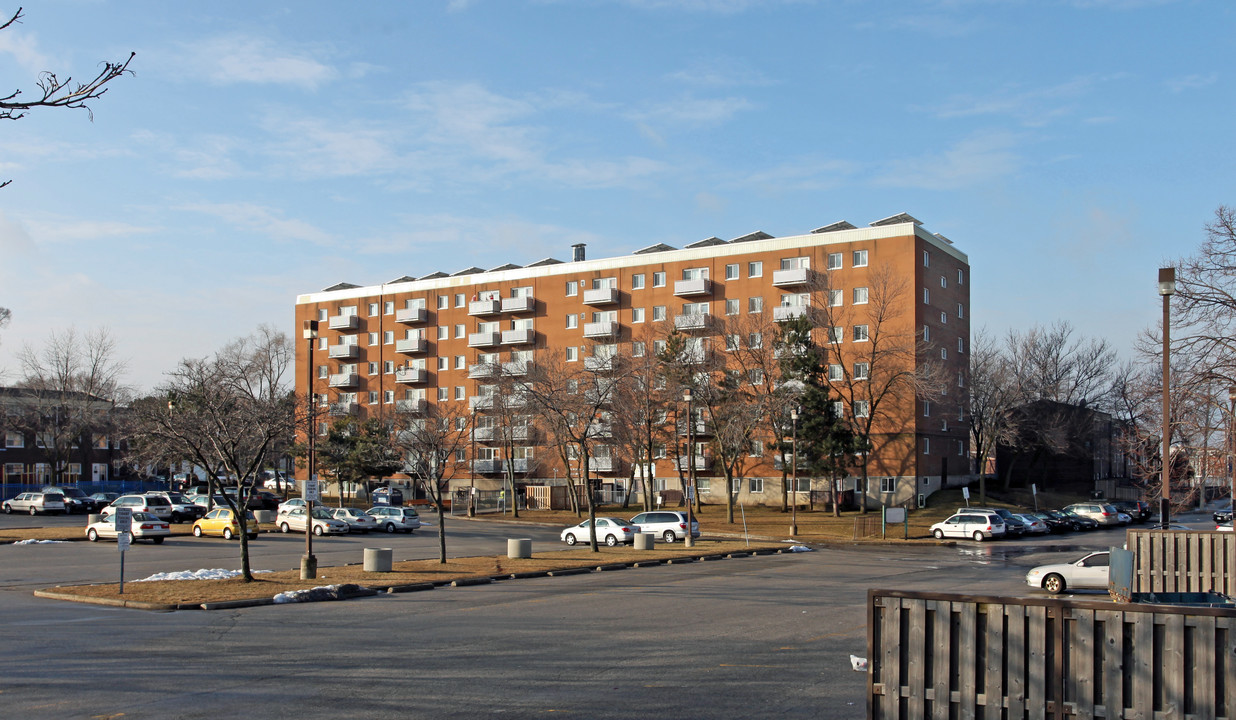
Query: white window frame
column 859, row 296
column 572, row 321
column 637, row 315
column 731, row 271
column 861, row 333
column 834, row 261
column 888, row 485
column 637, row 281
column 658, row 279
column 862, row 371
column 858, row 258
column 755, row 268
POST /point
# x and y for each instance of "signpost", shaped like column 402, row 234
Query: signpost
column 1034, row 490
column 965, row 493
column 124, row 526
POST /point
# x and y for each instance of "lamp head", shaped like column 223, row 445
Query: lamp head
column 1167, row 281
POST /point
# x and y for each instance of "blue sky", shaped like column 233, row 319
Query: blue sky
column 265, row 150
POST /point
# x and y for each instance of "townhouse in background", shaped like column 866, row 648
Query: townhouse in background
column 415, row 341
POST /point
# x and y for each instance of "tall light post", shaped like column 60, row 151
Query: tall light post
column 308, row 563
column 1231, row 439
column 794, row 459
column 689, row 541
column 1167, row 288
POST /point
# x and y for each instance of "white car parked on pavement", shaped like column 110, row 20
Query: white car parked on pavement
column 1087, row 573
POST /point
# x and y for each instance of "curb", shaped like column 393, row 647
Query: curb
column 112, row 602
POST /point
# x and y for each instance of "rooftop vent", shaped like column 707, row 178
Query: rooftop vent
column 841, row 225
column 577, row 252
column 896, row 220
column 757, row 235
column 341, row 286
column 659, row 247
column 706, row 242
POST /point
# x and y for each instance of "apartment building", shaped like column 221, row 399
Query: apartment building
column 412, row 342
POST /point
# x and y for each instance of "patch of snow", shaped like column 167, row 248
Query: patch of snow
column 800, row 548
column 40, row 542
column 214, row 574
column 322, row 592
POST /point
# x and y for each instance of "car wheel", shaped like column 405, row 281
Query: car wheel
column 1053, row 584
column 92, row 535
column 979, row 536
column 611, row 541
column 939, row 534
column 570, row 539
column 227, row 533
column 8, row 509
column 670, row 536
column 33, row 511
column 175, row 517
column 390, row 527
column 318, row 530
column 284, row 528
column 157, row 540
column 197, row 531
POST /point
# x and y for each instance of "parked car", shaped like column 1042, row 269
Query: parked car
column 1012, row 526
column 391, row 519
column 610, row 530
column 388, row 496
column 1223, row 513
column 35, row 503
column 206, row 502
column 183, row 509
column 1056, row 522
column 665, row 524
column 323, row 523
column 1034, row 526
column 222, row 521
column 103, row 499
column 1088, row 572
column 289, row 504
column 1080, row 522
column 1101, row 513
column 1224, row 527
column 1135, row 509
column 358, row 520
column 156, row 505
column 75, row 501
column 266, row 500
column 975, row 524
column 145, row 527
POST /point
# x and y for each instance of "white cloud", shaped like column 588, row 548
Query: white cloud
column 1192, row 82
column 262, row 221
column 233, row 59
column 76, row 231
column 692, row 112
column 484, row 242
column 720, row 72
column 23, row 48
column 981, row 158
column 1033, row 106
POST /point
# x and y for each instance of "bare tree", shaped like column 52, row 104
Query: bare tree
column 433, row 441
column 1204, row 312
column 72, row 384
column 56, row 93
column 228, row 413
column 993, row 396
column 640, row 415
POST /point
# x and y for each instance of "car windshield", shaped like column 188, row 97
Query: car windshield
column 177, row 498
column 73, row 492
column 322, row 513
column 53, row 497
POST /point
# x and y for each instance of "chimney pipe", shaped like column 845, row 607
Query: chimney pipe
column 577, row 252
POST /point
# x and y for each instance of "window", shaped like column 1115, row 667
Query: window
column 444, row 394
column 926, row 259
column 835, row 298
column 323, row 371
column 388, row 367
column 961, row 379
column 461, row 363
column 460, row 393
column 373, row 397
column 961, row 447
column 755, row 376
column 637, row 349
column 731, row 306
column 321, row 314
column 926, row 333
column 755, row 485
column 757, row 448
column 926, row 446
column 572, row 354
column 755, row 269
column 443, row 332
column 373, row 368
column 373, row 309
column 835, row 373
column 834, row 261
column 755, row 341
column 461, row 331
column 695, row 308
column 658, row 279
column 961, row 311
column 961, row 346
column 944, row 353
column 860, row 333
column 943, row 281
column 888, row 485
column 637, row 315
column 961, row 278
column 388, row 396
column 861, row 408
column 323, row 343
column 859, row 295
column 373, row 338
column 388, row 308
column 926, row 296
column 443, row 302
column 944, row 318
column 637, row 281
column 704, row 485
column 731, row 272
column 695, row 273
column 572, row 321
column 755, row 305
column 732, row 342
column 460, row 300
column 861, row 370
column 658, row 313
column 14, row 439
column 658, row 347
column 836, row 334
column 926, row 408
column 388, row 337
column 859, row 258
column 838, row 408
column 444, row 363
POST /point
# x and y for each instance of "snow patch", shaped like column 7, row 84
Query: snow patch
column 800, row 548
column 40, row 542
column 213, row 574
column 322, row 592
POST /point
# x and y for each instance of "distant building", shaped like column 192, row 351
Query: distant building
column 45, row 432
column 1057, row 444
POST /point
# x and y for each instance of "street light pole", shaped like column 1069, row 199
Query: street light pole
column 1167, row 288
column 794, row 490
column 309, row 563
column 1231, row 440
column 689, row 541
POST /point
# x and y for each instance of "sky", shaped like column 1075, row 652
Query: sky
column 264, row 150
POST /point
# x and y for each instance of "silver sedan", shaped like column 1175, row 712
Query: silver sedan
column 357, row 519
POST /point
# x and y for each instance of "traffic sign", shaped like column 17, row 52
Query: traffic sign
column 124, row 520
column 311, row 490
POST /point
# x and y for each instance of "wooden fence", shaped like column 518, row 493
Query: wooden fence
column 1179, row 561
column 945, row 656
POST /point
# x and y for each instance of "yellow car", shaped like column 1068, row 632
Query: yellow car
column 221, row 521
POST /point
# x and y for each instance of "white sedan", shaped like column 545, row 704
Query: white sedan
column 145, row 527
column 610, row 530
column 357, row 519
column 323, row 522
column 1087, row 573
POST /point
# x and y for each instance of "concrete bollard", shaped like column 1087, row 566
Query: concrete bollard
column 519, row 548
column 377, row 560
column 264, row 516
column 645, row 541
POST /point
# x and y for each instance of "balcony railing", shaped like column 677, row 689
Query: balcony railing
column 527, row 303
column 411, row 346
column 600, row 430
column 518, row 337
column 343, row 351
column 484, row 339
column 791, row 277
column 593, row 363
column 702, row 428
column 411, row 315
column 702, row 462
column 698, row 286
column 698, row 321
column 485, row 434
column 344, row 380
column 604, row 329
column 694, row 356
column 486, row 402
column 516, row 368
column 410, row 375
column 344, row 408
column 410, row 406
column 486, row 466
column 602, row 464
column 601, row 296
column 483, row 370
column 345, row 322
column 785, row 313
column 485, row 307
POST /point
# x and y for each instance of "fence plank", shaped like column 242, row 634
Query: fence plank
column 993, row 675
column 941, row 668
column 1226, row 665
column 1203, row 661
column 1036, row 670
column 1016, row 658
column 890, row 664
column 916, row 641
column 1113, row 663
column 1080, row 675
column 966, row 647
column 1172, row 663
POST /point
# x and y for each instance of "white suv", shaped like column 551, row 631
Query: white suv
column 665, row 524
column 974, row 524
column 156, row 505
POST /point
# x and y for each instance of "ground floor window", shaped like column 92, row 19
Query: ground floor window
column 755, row 485
column 888, row 485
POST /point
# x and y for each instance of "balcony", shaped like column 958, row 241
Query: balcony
column 600, row 429
column 483, row 370
column 411, row 315
column 411, row 346
column 604, row 329
column 518, row 337
column 791, row 277
column 486, row 466
column 344, row 352
column 516, row 368
column 702, row 462
column 485, row 307
column 592, row 363
column 785, row 313
column 344, row 408
column 600, row 464
column 694, row 356
column 345, row 323
column 601, row 296
column 690, row 288
column 410, row 375
column 484, row 339
column 523, row 433
column 693, row 322
column 701, row 429
column 526, row 303
column 789, row 462
column 485, row 434
column 415, row 405
column 486, row 402
column 344, row 380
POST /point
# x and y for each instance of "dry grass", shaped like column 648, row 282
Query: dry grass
column 266, row 585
